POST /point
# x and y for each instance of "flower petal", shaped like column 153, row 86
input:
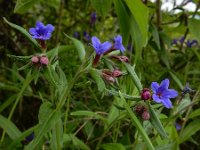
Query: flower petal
column 167, row 103
column 170, row 93
column 105, row 47
column 154, row 86
column 95, row 42
column 49, row 28
column 39, row 24
column 32, row 31
column 156, row 98
column 164, row 84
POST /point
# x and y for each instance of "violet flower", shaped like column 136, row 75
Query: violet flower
column 41, row 31
column 93, row 18
column 99, row 47
column 161, row 93
column 118, row 43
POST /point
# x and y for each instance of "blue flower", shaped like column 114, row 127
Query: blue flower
column 41, row 31
column 118, row 43
column 99, row 47
column 161, row 93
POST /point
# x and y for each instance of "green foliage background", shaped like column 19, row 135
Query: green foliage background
column 68, row 105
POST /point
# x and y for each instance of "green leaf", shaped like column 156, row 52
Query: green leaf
column 124, row 22
column 134, row 76
column 89, row 113
column 22, row 6
column 24, row 32
column 102, row 6
column 155, row 121
column 10, row 128
column 113, row 146
column 193, row 25
column 45, row 108
column 137, row 124
column 195, row 113
column 141, row 17
column 79, row 47
column 97, row 77
column 191, row 129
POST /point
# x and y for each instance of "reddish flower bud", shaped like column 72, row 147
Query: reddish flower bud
column 116, row 73
column 108, row 78
column 44, row 60
column 146, row 94
column 145, row 115
column 139, row 109
column 35, row 59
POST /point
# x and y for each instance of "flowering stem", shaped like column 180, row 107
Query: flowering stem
column 96, row 60
column 43, row 45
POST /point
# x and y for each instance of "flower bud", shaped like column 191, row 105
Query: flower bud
column 121, row 58
column 108, row 78
column 35, row 59
column 146, row 94
column 44, row 60
column 116, row 73
column 145, row 115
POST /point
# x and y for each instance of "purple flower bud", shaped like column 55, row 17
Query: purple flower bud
column 191, row 43
column 178, row 126
column 116, row 73
column 86, row 36
column 146, row 94
column 174, row 42
column 76, row 35
column 35, row 59
column 139, row 109
column 93, row 18
column 145, row 115
column 44, row 60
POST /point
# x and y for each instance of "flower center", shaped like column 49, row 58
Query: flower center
column 159, row 94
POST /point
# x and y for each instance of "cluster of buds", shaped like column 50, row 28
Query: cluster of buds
column 111, row 75
column 40, row 60
column 142, row 111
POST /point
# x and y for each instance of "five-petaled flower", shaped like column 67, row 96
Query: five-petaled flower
column 41, row 31
column 118, row 43
column 99, row 47
column 161, row 93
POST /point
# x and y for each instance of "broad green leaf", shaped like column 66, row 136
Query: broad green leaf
column 137, row 124
column 97, row 77
column 79, row 47
column 51, row 119
column 22, row 6
column 45, row 108
column 124, row 22
column 141, row 17
column 134, row 76
column 24, row 32
column 190, row 129
column 10, row 128
column 113, row 146
column 77, row 143
column 155, row 121
column 194, row 25
column 89, row 113
column 102, row 6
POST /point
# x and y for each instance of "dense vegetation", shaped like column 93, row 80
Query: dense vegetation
column 99, row 74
